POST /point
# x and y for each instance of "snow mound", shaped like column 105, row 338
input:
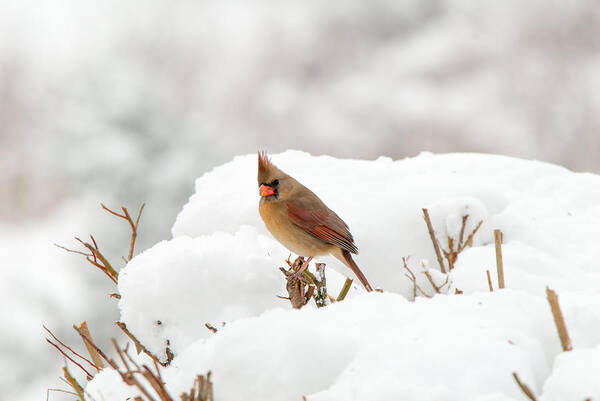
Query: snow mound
column 171, row 290
column 221, row 266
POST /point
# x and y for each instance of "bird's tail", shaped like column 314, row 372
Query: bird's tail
column 352, row 265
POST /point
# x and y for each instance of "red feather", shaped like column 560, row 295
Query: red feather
column 323, row 224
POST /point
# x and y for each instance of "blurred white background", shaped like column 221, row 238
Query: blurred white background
column 128, row 102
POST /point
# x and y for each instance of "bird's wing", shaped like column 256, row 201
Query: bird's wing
column 323, row 224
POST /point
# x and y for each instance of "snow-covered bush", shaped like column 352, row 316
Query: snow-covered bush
column 221, row 266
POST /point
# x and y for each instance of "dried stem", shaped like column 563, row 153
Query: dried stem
column 489, row 279
column 469, row 241
column 98, row 364
column 133, row 225
column 201, row 391
column 95, row 258
column 411, row 276
column 128, row 376
column 94, row 365
column 524, row 388
column 433, row 285
column 499, row 265
column 559, row 321
column 344, row 290
column 73, row 383
column 110, row 362
column 89, row 376
column 436, row 246
column 140, row 347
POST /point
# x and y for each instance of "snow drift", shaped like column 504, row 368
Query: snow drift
column 221, row 266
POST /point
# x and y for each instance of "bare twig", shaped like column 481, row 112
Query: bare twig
column 95, row 258
column 73, row 251
column 133, row 225
column 411, row 276
column 89, row 376
column 524, row 388
column 97, row 255
column 344, row 290
column 489, row 279
column 559, row 321
column 140, row 347
column 499, row 265
column 430, row 279
column 73, row 383
column 110, row 362
column 69, row 348
column 98, row 364
column 469, row 241
column 436, row 246
column 202, row 389
column 128, row 376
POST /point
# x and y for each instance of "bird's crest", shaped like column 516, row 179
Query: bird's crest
column 264, row 163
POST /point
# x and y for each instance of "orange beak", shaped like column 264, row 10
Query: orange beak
column 266, row 190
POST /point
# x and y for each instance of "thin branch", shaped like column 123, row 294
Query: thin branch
column 72, row 250
column 156, row 383
column 413, row 278
column 88, row 374
column 436, row 246
column 98, row 364
column 524, row 388
column 91, row 258
column 128, row 376
column 489, row 279
column 559, row 321
column 344, row 290
column 97, row 255
column 70, row 349
column 469, row 241
column 73, row 383
column 110, row 362
column 140, row 346
column 499, row 264
column 132, row 225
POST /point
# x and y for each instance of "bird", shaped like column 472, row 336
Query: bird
column 300, row 221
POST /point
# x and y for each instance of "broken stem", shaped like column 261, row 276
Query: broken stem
column 489, row 278
column 559, row 321
column 344, row 290
column 436, row 246
column 499, row 264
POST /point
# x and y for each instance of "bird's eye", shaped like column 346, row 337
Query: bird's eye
column 275, row 183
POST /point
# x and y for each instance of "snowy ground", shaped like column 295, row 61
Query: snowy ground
column 221, row 266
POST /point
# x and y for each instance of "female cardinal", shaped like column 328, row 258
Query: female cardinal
column 300, row 221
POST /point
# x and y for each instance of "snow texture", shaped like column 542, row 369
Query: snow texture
column 221, row 266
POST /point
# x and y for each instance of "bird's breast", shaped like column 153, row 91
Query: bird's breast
column 294, row 238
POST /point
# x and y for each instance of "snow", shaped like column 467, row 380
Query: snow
column 221, row 266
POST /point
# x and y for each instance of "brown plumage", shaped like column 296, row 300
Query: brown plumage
column 300, row 221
